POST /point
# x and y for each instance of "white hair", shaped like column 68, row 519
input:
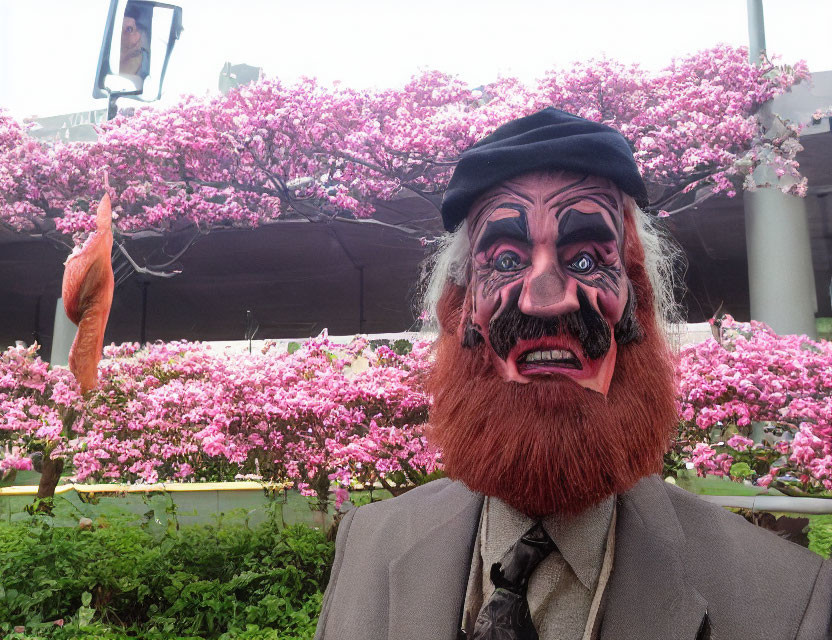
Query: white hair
column 663, row 261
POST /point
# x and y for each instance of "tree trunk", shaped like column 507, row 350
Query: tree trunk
column 321, row 485
column 50, row 474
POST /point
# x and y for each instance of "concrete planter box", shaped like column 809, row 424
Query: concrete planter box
column 166, row 504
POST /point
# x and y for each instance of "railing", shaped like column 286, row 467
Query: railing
column 29, row 490
column 769, row 503
column 784, row 504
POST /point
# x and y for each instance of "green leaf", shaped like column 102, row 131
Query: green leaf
column 85, row 616
column 741, row 470
column 292, row 347
column 402, row 347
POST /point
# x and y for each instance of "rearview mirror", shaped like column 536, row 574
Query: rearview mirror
column 138, row 39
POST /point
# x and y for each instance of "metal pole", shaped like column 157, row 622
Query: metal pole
column 361, row 299
column 756, row 31
column 781, row 279
column 785, row 504
column 112, row 107
column 143, row 327
column 63, row 333
column 36, row 332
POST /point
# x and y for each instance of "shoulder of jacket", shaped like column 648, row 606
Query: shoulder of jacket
column 725, row 537
column 415, row 509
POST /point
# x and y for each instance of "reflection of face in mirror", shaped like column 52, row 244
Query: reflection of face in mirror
column 135, row 52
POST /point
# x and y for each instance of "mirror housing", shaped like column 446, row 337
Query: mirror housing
column 138, row 40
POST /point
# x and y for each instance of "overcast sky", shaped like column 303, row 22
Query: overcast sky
column 49, row 48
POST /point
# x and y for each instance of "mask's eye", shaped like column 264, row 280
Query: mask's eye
column 507, row 261
column 583, row 263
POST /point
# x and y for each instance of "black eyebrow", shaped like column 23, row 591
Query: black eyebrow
column 576, row 226
column 513, row 228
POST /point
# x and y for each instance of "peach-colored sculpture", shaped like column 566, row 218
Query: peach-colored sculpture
column 88, row 294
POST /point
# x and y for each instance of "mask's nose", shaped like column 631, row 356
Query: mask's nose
column 547, row 291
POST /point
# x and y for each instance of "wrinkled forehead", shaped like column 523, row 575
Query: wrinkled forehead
column 549, row 193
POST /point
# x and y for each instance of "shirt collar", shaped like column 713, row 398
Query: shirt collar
column 581, row 539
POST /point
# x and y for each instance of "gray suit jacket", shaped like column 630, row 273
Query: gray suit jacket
column 684, row 569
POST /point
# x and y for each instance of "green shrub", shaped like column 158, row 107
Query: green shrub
column 820, row 535
column 119, row 580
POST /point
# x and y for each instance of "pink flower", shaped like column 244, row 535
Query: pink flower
column 341, row 495
column 740, row 442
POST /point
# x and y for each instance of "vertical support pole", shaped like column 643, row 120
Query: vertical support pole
column 143, row 326
column 361, row 299
column 781, row 279
column 36, row 332
column 780, row 275
column 360, row 269
column 251, row 328
column 63, row 333
column 756, row 30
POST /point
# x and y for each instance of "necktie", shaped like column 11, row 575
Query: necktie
column 506, row 615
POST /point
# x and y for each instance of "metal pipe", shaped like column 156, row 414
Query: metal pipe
column 781, row 278
column 785, row 504
column 63, row 333
column 36, row 332
column 361, row 299
column 360, row 269
column 756, row 31
column 143, row 326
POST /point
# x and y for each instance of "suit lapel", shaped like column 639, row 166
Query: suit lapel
column 427, row 581
column 649, row 595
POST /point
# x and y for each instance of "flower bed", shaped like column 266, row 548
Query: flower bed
column 315, row 414
column 752, row 375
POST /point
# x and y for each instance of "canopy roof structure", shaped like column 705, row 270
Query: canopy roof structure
column 297, row 278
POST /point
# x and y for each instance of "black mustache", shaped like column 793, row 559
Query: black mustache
column 586, row 325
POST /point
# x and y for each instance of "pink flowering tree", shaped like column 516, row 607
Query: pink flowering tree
column 323, row 415
column 752, row 375
column 39, row 406
column 692, row 124
column 270, row 150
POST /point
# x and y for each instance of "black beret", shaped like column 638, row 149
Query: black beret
column 548, row 139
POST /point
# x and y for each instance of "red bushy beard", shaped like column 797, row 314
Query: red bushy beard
column 552, row 446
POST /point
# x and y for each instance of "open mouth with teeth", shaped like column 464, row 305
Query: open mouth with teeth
column 549, row 356
column 559, row 355
column 562, row 358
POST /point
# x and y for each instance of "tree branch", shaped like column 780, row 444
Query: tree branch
column 145, row 270
column 692, row 205
column 424, row 196
column 680, row 189
column 179, row 254
column 373, row 221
